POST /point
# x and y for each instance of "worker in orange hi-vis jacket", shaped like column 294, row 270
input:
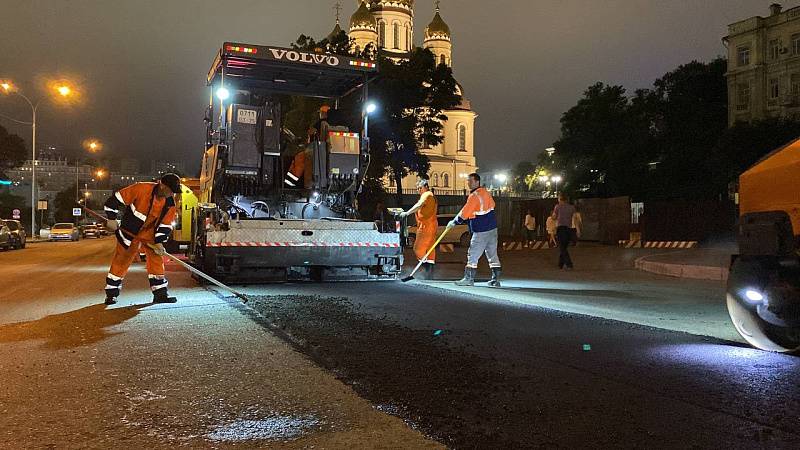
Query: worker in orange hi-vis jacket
column 299, row 175
column 479, row 213
column 146, row 212
column 427, row 225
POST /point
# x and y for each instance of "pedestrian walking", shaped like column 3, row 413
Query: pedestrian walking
column 479, row 213
column 550, row 228
column 426, row 210
column 530, row 228
column 562, row 214
column 147, row 211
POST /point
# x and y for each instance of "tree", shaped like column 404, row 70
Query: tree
column 65, row 201
column 744, row 144
column 411, row 96
column 524, row 176
column 600, row 145
column 656, row 144
column 688, row 113
column 12, row 151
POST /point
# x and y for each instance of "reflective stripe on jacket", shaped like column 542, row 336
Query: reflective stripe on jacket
column 136, row 204
column 478, row 212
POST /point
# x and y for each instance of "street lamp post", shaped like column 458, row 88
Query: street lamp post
column 64, row 91
column 556, row 179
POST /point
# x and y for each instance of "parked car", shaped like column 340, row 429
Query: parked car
column 64, row 232
column 18, row 236
column 44, row 232
column 458, row 235
column 91, row 230
column 5, row 237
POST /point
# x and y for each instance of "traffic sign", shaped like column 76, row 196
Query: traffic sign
column 41, row 205
column 76, row 212
column 15, row 214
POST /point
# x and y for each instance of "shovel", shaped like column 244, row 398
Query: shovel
column 425, row 258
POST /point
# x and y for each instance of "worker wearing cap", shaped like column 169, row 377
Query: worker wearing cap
column 479, row 213
column 147, row 211
column 427, row 225
column 302, row 160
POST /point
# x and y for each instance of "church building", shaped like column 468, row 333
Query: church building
column 389, row 25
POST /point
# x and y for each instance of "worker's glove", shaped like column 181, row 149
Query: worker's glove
column 451, row 224
column 112, row 225
column 158, row 249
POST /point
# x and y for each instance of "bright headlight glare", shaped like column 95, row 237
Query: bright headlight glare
column 753, row 295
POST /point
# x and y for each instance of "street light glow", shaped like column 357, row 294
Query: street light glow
column 556, row 179
column 501, row 177
column 223, row 94
column 371, row 107
column 6, row 86
column 64, row 90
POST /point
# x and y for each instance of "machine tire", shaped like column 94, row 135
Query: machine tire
column 753, row 328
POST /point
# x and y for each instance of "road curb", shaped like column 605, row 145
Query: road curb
column 682, row 270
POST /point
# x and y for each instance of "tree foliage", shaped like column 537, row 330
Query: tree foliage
column 12, row 151
column 669, row 141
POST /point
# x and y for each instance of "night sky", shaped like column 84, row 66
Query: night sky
column 142, row 63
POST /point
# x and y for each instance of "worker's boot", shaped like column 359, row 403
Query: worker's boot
column 111, row 300
column 469, row 277
column 161, row 296
column 495, row 281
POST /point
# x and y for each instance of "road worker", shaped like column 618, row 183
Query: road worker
column 146, row 211
column 425, row 211
column 300, row 174
column 479, row 213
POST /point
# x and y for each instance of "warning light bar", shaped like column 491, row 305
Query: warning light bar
column 343, row 134
column 368, row 64
column 236, row 48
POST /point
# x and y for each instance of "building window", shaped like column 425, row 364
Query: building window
column 442, row 60
column 742, row 97
column 435, row 180
column 396, row 35
column 462, row 138
column 409, row 38
column 796, row 44
column 391, row 181
column 382, row 34
column 446, row 180
column 774, row 88
column 743, row 56
column 774, row 49
column 795, row 88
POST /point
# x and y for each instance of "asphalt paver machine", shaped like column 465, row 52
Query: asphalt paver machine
column 249, row 225
column 764, row 282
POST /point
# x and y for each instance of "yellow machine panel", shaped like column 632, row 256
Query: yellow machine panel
column 773, row 184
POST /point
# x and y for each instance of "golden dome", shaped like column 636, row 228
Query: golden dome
column 437, row 28
column 362, row 18
column 409, row 3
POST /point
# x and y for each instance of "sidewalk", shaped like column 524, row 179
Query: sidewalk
column 201, row 373
column 698, row 264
